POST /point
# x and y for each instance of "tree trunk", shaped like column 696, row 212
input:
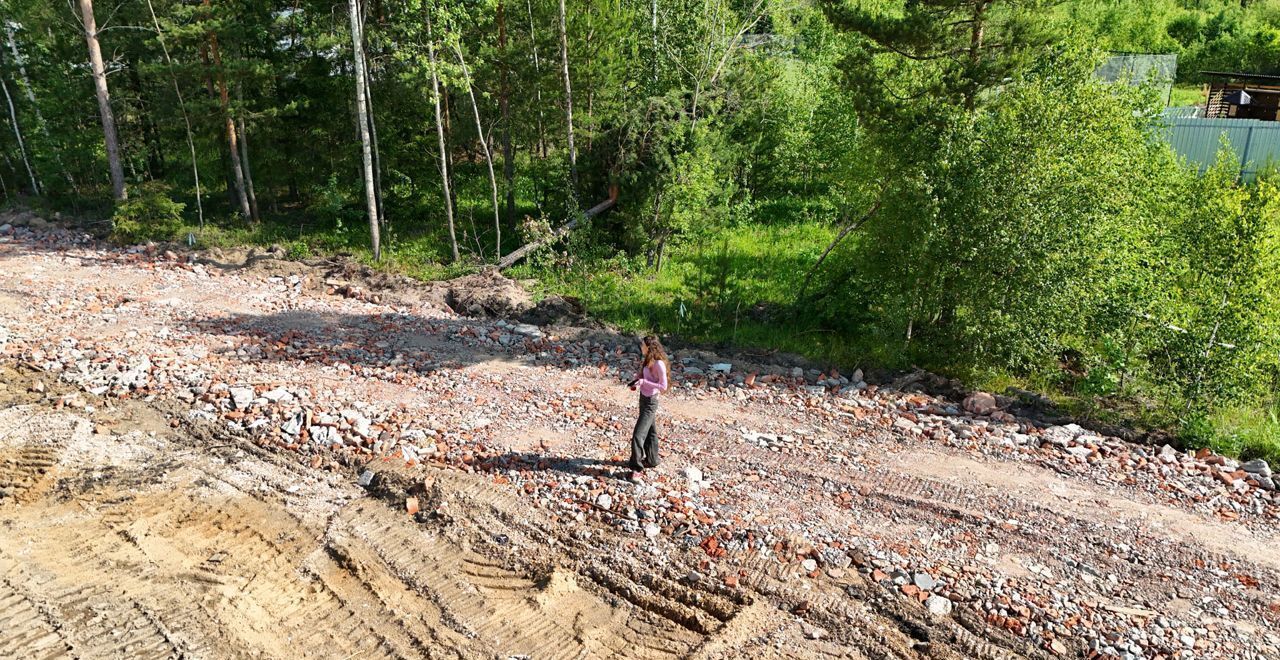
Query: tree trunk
column 248, row 171
column 975, row 51
column 233, row 146
column 182, row 105
column 366, row 146
column 244, row 158
column 17, row 133
column 30, row 91
column 377, row 153
column 504, row 107
column 373, row 125
column 875, row 208
column 524, row 251
column 568, row 98
column 444, row 154
column 228, row 179
column 591, row 86
column 118, row 190
column 155, row 163
column 653, row 17
column 537, row 85
column 488, row 157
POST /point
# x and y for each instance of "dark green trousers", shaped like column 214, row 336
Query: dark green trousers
column 644, row 440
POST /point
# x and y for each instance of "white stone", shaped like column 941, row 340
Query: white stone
column 277, row 395
column 938, row 605
column 241, row 397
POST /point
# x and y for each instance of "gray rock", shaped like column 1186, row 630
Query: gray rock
column 6, row 228
column 938, row 605
column 924, row 581
column 651, row 530
column 605, row 501
column 325, row 436
column 366, row 478
column 722, row 367
column 1257, row 467
column 527, row 330
column 1081, row 452
column 1061, row 435
column 293, row 426
column 809, row 565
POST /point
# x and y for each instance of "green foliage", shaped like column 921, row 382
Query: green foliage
column 297, row 251
column 149, row 214
column 1245, row 431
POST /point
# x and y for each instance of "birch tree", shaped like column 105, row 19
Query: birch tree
column 182, row 106
column 504, row 109
column 17, row 134
column 366, row 147
column 25, row 83
column 537, row 82
column 484, row 144
column 444, row 151
column 118, row 190
column 568, row 98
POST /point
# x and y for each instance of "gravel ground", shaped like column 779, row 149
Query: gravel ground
column 776, row 480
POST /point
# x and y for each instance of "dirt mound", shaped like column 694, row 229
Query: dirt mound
column 487, row 294
column 561, row 311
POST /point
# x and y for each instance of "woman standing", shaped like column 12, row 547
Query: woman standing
column 651, row 380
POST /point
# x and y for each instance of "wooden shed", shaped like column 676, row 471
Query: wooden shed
column 1242, row 96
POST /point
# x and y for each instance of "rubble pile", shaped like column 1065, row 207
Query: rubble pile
column 777, row 465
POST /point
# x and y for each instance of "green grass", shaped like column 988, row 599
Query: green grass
column 1186, row 95
column 1246, row 432
column 738, row 288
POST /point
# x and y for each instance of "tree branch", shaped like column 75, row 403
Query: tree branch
column 875, row 208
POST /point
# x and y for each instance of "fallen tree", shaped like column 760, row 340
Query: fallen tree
column 525, row 250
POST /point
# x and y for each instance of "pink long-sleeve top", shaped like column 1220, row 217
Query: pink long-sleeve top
column 653, row 378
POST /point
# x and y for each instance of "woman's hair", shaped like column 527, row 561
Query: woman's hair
column 656, row 352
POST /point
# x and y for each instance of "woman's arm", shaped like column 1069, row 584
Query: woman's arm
column 661, row 383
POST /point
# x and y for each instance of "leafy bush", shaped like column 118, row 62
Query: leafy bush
column 297, row 251
column 150, row 214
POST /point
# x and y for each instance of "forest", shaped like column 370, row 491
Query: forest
column 883, row 184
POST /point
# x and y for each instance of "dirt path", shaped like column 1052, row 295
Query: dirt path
column 227, row 463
